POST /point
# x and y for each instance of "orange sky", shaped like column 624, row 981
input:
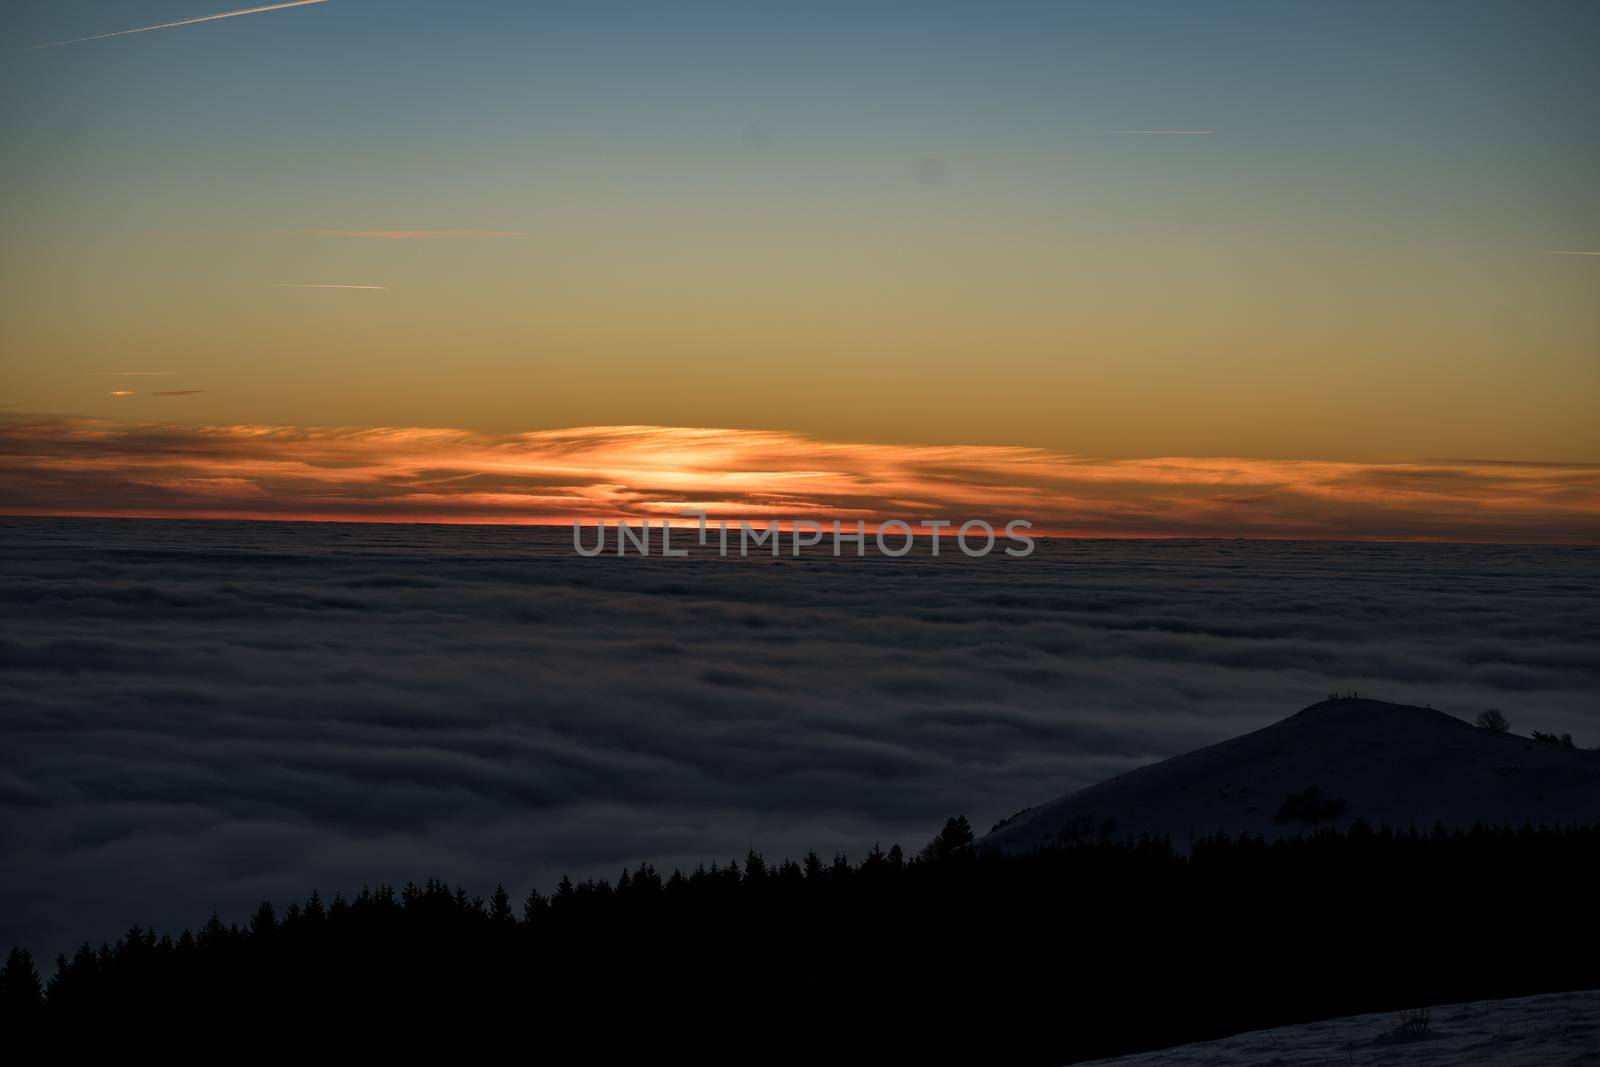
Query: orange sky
column 993, row 256
column 100, row 467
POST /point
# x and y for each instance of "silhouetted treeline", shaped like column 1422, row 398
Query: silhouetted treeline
column 1064, row 954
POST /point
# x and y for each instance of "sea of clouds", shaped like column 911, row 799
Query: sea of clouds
column 199, row 715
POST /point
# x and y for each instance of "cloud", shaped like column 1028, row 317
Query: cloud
column 122, row 392
column 197, row 715
column 132, row 373
column 1561, row 252
column 412, row 474
column 177, row 392
column 415, row 235
column 172, row 25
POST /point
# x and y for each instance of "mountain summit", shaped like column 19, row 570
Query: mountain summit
column 1327, row 766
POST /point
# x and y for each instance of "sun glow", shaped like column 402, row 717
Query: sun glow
column 415, row 474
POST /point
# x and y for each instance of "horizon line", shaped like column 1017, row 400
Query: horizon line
column 688, row 524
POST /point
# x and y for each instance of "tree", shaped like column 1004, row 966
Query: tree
column 840, row 869
column 813, row 866
column 212, row 932
column 500, row 905
column 264, row 923
column 20, row 989
column 646, row 880
column 1564, row 740
column 954, row 840
column 535, row 907
column 1492, row 719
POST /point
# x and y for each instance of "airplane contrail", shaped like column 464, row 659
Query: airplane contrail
column 320, row 285
column 412, row 235
column 170, row 25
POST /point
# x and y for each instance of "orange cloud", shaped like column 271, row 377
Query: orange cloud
column 409, row 474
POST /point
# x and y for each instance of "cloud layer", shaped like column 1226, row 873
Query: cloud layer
column 195, row 715
column 98, row 467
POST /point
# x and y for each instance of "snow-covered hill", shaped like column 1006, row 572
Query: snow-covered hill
column 1552, row 1030
column 1333, row 763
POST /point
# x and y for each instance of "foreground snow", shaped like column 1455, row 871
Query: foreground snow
column 1550, row 1030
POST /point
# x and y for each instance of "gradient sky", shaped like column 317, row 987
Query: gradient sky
column 1279, row 231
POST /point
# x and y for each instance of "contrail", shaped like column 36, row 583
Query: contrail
column 1564, row 252
column 170, row 25
column 320, row 285
column 413, row 235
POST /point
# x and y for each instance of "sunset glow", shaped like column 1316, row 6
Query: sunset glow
column 411, row 474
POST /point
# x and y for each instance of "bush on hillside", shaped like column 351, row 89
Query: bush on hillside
column 1309, row 805
column 1492, row 719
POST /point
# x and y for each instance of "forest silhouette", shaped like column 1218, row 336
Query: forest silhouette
column 1050, row 956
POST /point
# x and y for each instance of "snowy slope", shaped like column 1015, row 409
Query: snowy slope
column 1390, row 764
column 1552, row 1030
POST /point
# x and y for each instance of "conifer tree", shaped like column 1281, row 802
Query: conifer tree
column 954, row 840
column 21, row 992
column 535, row 907
column 500, row 906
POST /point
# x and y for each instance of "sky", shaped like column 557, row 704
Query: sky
column 1214, row 237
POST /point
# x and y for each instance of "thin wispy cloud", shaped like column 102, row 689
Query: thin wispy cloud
column 414, row 235
column 1182, row 133
column 171, row 25
column 177, row 392
column 132, row 373
column 420, row 474
column 320, row 285
column 1567, row 252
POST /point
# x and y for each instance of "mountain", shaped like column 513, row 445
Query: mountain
column 1327, row 766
